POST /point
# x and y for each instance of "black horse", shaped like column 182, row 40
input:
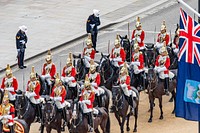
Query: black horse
column 156, row 90
column 121, row 107
column 107, row 72
column 150, row 55
column 25, row 109
column 125, row 43
column 79, row 122
column 173, row 58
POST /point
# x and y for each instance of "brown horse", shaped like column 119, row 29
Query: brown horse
column 79, row 122
column 156, row 90
column 121, row 107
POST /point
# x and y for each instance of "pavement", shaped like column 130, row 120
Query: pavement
column 52, row 24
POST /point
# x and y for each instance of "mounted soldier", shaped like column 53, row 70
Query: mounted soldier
column 95, row 79
column 163, row 37
column 86, row 100
column 58, row 95
column 32, row 93
column 161, row 66
column 118, row 56
column 48, row 70
column 138, row 35
column 7, row 112
column 88, row 53
column 68, row 76
column 138, row 65
column 175, row 44
column 10, row 84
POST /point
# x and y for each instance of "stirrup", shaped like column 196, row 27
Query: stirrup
column 166, row 92
column 90, row 129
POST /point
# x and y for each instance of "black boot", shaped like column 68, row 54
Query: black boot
column 99, row 99
column 64, row 115
column 38, row 113
column 166, row 86
column 90, row 123
column 12, row 129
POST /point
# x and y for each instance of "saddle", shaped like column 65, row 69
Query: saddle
column 96, row 112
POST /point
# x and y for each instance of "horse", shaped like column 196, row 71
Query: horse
column 121, row 107
column 25, row 109
column 156, row 90
column 173, row 58
column 1, row 95
column 125, row 43
column 80, row 67
column 52, row 118
column 20, row 126
column 107, row 72
column 79, row 122
column 150, row 55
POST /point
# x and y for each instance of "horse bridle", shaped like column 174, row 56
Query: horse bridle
column 73, row 119
column 52, row 117
column 103, row 73
column 22, row 108
column 150, row 82
column 117, row 100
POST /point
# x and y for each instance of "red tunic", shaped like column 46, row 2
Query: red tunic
column 36, row 90
column 141, row 34
column 52, row 70
column 71, row 72
column 95, row 78
column 127, row 82
column 120, row 54
column 140, row 59
column 166, row 63
column 61, row 94
column 11, row 111
column 91, row 52
column 13, row 84
column 165, row 38
column 91, row 97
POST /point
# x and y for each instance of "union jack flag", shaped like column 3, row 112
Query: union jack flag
column 189, row 39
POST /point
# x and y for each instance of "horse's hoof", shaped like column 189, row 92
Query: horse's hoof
column 122, row 131
column 161, row 117
column 173, row 112
column 150, row 120
column 128, row 129
column 135, row 130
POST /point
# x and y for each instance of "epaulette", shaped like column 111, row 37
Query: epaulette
column 10, row 104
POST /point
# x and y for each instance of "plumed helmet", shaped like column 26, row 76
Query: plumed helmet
column 92, row 65
column 89, row 40
column 8, row 70
column 124, row 69
column 57, row 80
column 49, row 56
column 23, row 28
column 138, row 23
column 87, row 84
column 136, row 45
column 96, row 12
column 163, row 49
column 5, row 97
column 69, row 59
column 163, row 26
column 32, row 74
column 117, row 41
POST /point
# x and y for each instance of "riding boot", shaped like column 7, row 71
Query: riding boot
column 90, row 123
column 166, row 86
column 99, row 101
column 64, row 118
column 39, row 113
column 12, row 129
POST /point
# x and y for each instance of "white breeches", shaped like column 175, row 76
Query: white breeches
column 60, row 105
column 46, row 77
column 126, row 91
column 98, row 91
column 11, row 96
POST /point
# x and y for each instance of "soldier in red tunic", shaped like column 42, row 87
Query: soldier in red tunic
column 163, row 37
column 162, row 67
column 32, row 93
column 138, row 34
column 87, row 99
column 88, row 53
column 10, row 84
column 7, row 112
column 138, row 65
column 68, row 76
column 48, row 71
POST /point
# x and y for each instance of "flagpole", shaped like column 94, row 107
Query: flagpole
column 199, row 17
column 190, row 8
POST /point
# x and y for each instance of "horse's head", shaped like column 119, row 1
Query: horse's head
column 78, row 62
column 116, row 94
column 76, row 111
column 104, row 62
column 48, row 111
column 151, row 76
column 21, row 100
column 125, row 43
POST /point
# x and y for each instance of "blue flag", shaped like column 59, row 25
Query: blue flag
column 188, row 78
